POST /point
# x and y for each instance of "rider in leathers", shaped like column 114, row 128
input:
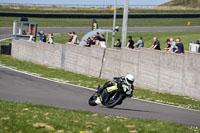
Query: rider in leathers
column 125, row 83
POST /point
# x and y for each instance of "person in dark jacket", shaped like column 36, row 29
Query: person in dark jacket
column 180, row 46
column 130, row 43
column 42, row 36
column 118, row 43
column 156, row 44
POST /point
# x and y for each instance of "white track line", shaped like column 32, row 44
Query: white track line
column 92, row 89
column 6, row 39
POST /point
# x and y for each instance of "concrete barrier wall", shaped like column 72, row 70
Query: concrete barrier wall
column 120, row 62
column 156, row 70
column 148, row 69
column 171, row 73
column 83, row 60
column 40, row 53
column 191, row 75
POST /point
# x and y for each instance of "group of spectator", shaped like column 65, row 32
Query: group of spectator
column 49, row 39
column 131, row 43
column 99, row 40
column 175, row 46
column 172, row 46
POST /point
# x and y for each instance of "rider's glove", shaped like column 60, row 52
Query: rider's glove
column 128, row 92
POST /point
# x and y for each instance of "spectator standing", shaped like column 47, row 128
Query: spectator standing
column 102, row 38
column 92, row 40
column 97, row 38
column 168, row 45
column 70, row 37
column 180, row 46
column 139, row 43
column 42, row 36
column 173, row 46
column 50, row 38
column 130, row 43
column 102, row 42
column 74, row 40
column 94, row 24
column 156, row 44
column 87, row 42
column 118, row 43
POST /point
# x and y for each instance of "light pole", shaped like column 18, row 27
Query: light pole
column 114, row 22
column 125, row 21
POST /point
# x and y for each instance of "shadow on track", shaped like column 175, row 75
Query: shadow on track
column 127, row 109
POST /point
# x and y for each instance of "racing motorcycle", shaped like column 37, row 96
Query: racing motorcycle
column 113, row 94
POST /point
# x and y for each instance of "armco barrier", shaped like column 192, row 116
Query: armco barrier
column 156, row 70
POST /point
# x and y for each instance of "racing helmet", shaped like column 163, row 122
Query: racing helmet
column 129, row 79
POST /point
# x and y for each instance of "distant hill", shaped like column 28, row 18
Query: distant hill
column 183, row 3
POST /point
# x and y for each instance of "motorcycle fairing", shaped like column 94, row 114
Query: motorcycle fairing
column 112, row 88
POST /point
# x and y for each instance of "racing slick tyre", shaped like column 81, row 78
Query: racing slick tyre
column 92, row 100
column 114, row 99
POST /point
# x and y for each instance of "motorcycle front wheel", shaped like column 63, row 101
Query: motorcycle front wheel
column 113, row 99
column 92, row 100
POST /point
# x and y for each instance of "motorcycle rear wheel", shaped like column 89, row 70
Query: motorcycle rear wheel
column 113, row 102
column 92, row 100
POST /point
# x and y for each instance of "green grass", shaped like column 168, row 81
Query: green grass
column 6, row 42
column 68, row 22
column 83, row 80
column 167, row 98
column 25, row 118
column 185, row 36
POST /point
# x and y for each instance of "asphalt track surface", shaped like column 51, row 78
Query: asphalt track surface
column 20, row 87
column 6, row 32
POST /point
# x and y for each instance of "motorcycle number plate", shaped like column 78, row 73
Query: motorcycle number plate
column 112, row 88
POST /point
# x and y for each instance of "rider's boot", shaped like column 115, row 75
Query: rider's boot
column 98, row 101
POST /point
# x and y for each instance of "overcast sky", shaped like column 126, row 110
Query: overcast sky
column 86, row 2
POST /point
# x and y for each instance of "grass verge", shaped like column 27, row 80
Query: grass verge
column 75, row 22
column 6, row 42
column 28, row 118
column 91, row 82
